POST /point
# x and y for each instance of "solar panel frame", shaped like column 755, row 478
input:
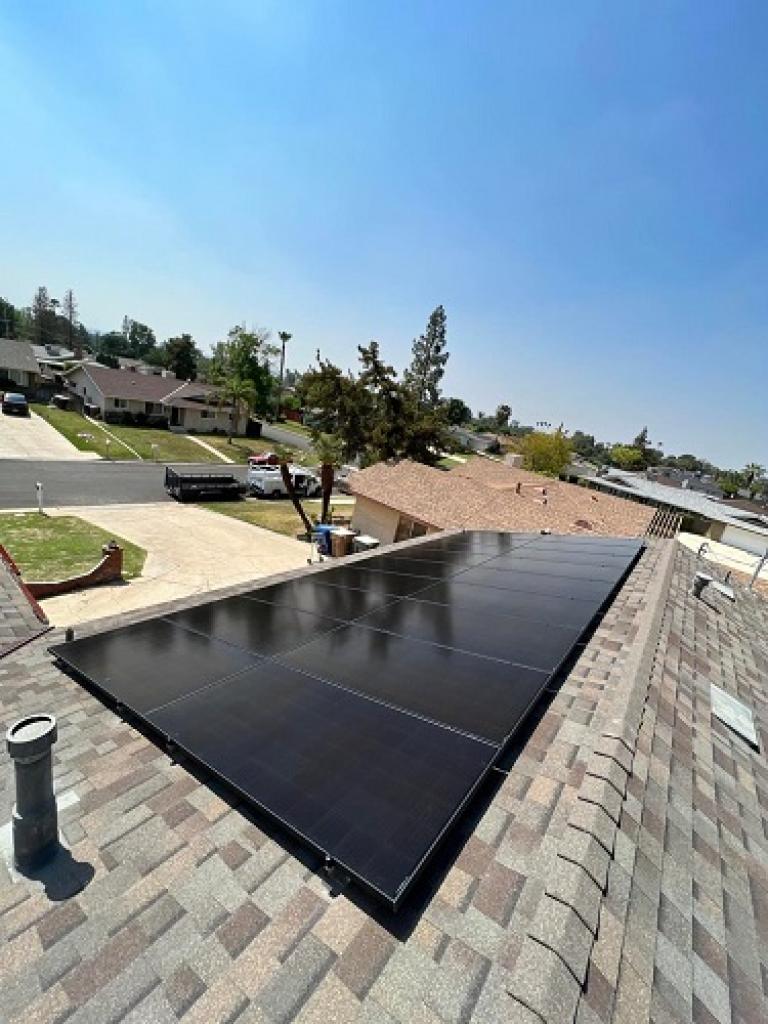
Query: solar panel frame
column 343, row 597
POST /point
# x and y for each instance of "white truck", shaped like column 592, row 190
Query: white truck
column 266, row 481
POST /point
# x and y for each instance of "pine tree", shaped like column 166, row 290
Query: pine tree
column 41, row 315
column 69, row 309
column 428, row 363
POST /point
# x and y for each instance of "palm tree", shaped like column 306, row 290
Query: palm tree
column 284, row 337
column 329, row 454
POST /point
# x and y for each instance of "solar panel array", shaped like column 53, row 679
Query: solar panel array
column 363, row 705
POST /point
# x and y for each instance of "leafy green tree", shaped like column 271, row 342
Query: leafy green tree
column 180, row 354
column 626, row 456
column 457, row 412
column 111, row 345
column 8, row 319
column 374, row 415
column 141, row 340
column 428, row 361
column 241, row 395
column 503, row 412
column 546, row 453
column 338, row 404
column 245, row 356
column 753, row 474
column 583, row 444
column 730, row 483
column 687, row 462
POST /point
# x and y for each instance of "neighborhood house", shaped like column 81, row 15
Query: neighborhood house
column 129, row 396
column 18, row 365
column 399, row 500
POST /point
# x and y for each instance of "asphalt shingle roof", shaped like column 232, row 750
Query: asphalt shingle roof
column 617, row 872
column 21, row 618
column 482, row 495
column 17, row 355
column 143, row 386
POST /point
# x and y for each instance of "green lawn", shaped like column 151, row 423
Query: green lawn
column 242, row 447
column 276, row 514
column 168, row 447
column 83, row 435
column 54, row 547
column 88, row 437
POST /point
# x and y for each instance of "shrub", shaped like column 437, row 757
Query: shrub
column 546, row 453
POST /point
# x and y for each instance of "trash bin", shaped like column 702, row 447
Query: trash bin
column 341, row 542
column 323, row 532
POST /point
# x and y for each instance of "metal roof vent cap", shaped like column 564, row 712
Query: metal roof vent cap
column 34, row 820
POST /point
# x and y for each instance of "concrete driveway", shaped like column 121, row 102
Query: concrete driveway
column 189, row 551
column 30, row 437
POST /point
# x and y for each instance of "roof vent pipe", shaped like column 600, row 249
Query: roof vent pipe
column 35, row 821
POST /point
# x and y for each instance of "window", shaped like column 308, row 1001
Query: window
column 206, row 414
column 150, row 408
column 120, row 403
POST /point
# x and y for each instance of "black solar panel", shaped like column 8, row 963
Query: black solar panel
column 478, row 696
column 363, row 705
column 533, row 582
column 357, row 778
column 276, row 628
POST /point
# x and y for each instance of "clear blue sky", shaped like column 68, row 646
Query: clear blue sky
column 581, row 184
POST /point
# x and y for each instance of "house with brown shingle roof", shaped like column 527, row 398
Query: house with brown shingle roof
column 18, row 364
column 617, row 872
column 398, row 500
column 188, row 405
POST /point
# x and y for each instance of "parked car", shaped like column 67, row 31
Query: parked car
column 14, row 404
column 266, row 481
column 264, row 459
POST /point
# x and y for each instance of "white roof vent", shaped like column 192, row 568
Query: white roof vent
column 734, row 714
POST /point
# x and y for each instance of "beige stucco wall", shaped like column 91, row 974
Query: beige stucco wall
column 132, row 405
column 375, row 519
column 192, row 420
column 84, row 388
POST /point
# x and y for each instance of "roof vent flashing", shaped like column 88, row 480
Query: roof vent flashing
column 734, row 714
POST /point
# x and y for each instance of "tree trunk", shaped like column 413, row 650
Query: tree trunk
column 286, row 475
column 326, row 479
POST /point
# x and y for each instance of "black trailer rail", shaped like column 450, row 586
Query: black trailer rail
column 202, row 486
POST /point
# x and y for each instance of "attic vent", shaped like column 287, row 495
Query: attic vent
column 734, row 714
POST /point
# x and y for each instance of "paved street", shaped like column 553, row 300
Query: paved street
column 89, row 483
column 289, row 438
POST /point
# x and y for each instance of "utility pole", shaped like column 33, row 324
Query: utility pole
column 284, row 337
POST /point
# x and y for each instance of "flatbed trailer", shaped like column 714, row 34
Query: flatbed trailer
column 203, row 486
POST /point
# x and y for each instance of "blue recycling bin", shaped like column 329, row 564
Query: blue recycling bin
column 324, row 531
